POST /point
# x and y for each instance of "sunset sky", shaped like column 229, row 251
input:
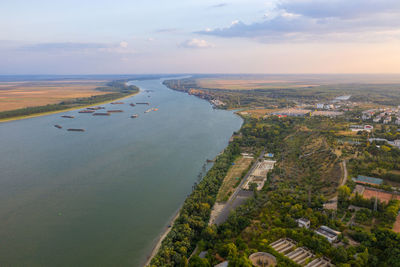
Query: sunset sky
column 236, row 36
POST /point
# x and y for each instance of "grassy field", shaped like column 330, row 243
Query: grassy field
column 248, row 84
column 232, row 177
column 16, row 95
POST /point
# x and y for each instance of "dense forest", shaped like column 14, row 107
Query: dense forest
column 117, row 90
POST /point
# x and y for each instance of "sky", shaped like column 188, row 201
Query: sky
column 203, row 36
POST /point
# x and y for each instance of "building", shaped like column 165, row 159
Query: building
column 330, row 234
column 367, row 180
column 302, row 222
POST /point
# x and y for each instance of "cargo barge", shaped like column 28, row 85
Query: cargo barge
column 114, row 110
column 95, row 108
column 142, row 103
column 67, row 116
column 58, row 126
column 75, row 130
column 101, row 114
column 117, row 103
column 86, row 111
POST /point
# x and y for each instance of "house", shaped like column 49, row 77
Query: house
column 330, row 234
column 302, row 222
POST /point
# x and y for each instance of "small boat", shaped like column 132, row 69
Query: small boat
column 114, row 110
column 58, row 126
column 86, row 111
column 155, row 109
column 67, row 116
column 134, row 116
column 75, row 130
column 101, row 114
column 132, row 105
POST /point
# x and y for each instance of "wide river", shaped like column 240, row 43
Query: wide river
column 102, row 197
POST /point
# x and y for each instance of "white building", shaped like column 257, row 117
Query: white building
column 302, row 222
column 328, row 233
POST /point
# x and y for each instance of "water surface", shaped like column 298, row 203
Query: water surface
column 101, row 197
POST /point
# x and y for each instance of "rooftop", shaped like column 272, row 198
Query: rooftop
column 368, row 180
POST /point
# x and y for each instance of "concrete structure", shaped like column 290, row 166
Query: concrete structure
column 330, row 234
column 320, row 262
column 259, row 174
column 262, row 259
column 367, row 180
column 283, row 245
column 300, row 255
column 302, row 222
column 222, row 264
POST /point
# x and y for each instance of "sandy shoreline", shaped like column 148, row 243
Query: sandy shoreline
column 62, row 110
column 161, row 238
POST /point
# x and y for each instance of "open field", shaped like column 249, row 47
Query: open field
column 382, row 196
column 248, row 84
column 232, row 177
column 16, row 95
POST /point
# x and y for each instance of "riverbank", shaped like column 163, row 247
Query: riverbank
column 157, row 246
column 64, row 110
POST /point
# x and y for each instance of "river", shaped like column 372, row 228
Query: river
column 103, row 196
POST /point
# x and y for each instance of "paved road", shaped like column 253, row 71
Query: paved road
column 238, row 197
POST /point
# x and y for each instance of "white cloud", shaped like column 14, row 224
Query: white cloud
column 123, row 44
column 316, row 20
column 196, row 43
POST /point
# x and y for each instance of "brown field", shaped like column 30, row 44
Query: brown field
column 257, row 113
column 231, row 178
column 247, row 84
column 382, row 196
column 15, row 95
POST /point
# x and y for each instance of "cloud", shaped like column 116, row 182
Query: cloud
column 70, row 47
column 339, row 8
column 196, row 43
column 65, row 46
column 166, row 30
column 219, row 5
column 302, row 20
column 123, row 44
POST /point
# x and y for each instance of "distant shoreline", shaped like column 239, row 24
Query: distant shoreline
column 63, row 110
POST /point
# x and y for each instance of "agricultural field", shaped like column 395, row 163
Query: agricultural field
column 16, row 95
column 248, row 84
column 233, row 177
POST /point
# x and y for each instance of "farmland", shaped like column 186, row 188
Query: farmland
column 16, row 95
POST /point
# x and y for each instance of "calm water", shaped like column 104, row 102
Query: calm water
column 101, row 197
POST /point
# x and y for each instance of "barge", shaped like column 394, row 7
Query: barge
column 142, row 103
column 101, row 114
column 95, row 108
column 117, row 103
column 67, row 116
column 86, row 111
column 114, row 110
column 75, row 130
column 132, row 105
